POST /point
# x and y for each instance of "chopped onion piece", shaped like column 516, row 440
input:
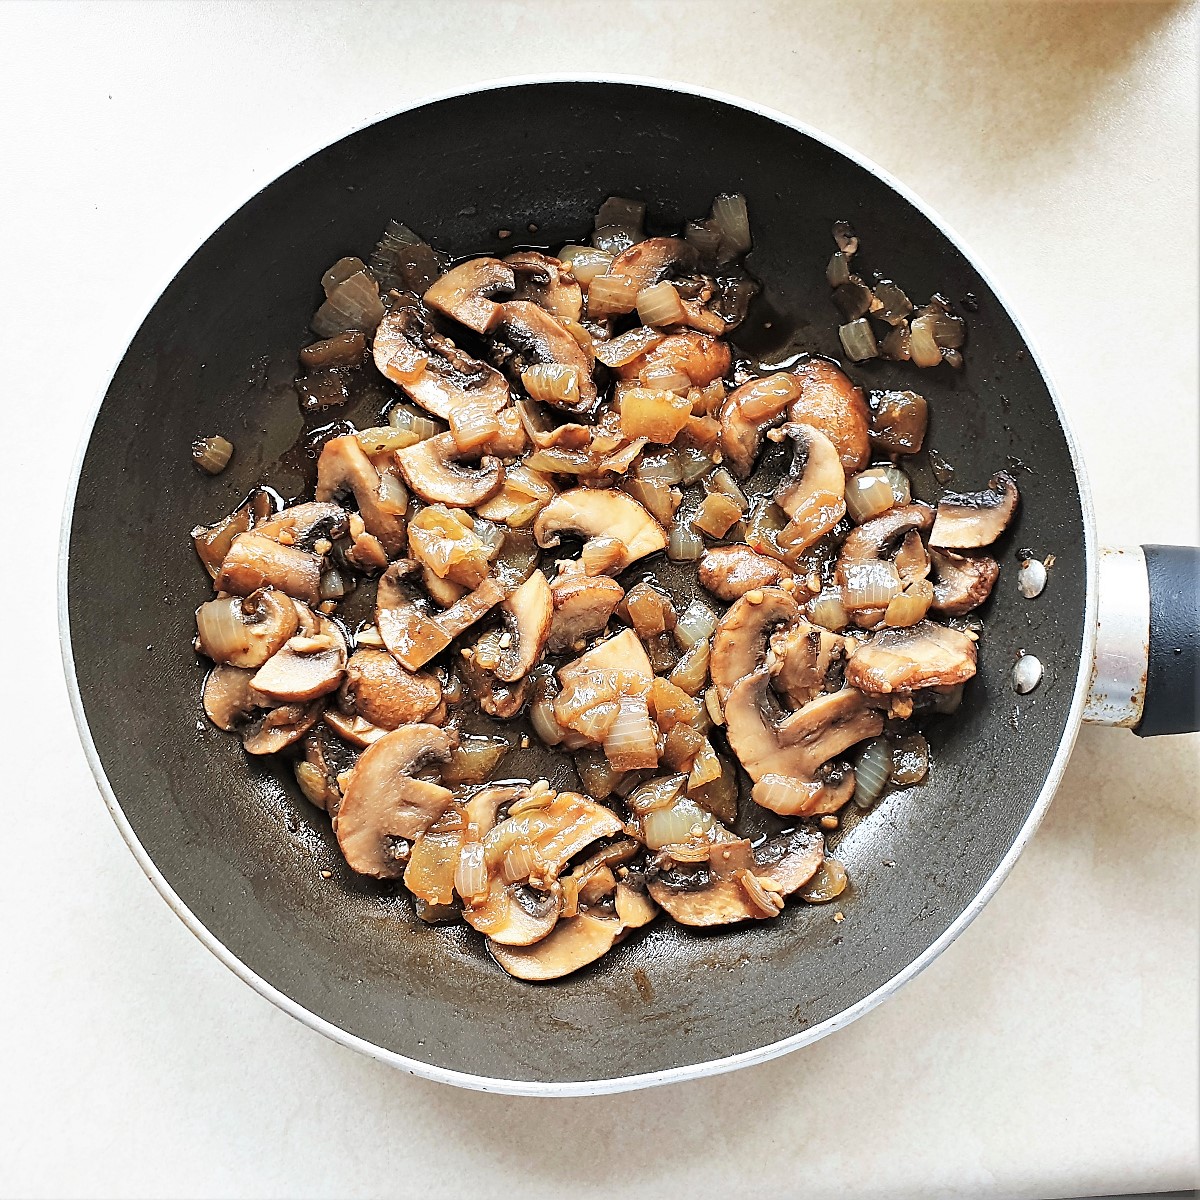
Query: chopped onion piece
column 470, row 876
column 585, row 262
column 909, row 760
column 610, row 295
column 659, row 466
column 732, row 221
column 519, row 862
column 212, row 454
column 694, row 464
column 828, row 610
column 697, row 623
column 922, row 344
column 910, row 606
column 628, row 346
column 897, row 345
column 683, row 822
column 899, row 483
column 894, row 305
column 705, row 237
column 717, row 515
column 613, row 239
column 352, row 304
column 838, row 271
column 827, row 884
column 871, row 772
column 720, row 481
column 858, row 340
column 949, row 332
column 684, row 545
column 335, row 585
column 854, row 299
column 691, row 674
column 619, row 210
column 552, row 383
column 868, row 494
column 403, row 417
column 660, row 305
column 871, row 584
column 632, row 741
column 383, row 439
column 705, row 768
column 666, row 378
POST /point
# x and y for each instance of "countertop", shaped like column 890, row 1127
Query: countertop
column 1051, row 1051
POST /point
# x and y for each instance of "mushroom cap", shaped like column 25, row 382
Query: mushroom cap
column 648, row 262
column 412, row 636
column 244, row 631
column 279, row 727
column 255, row 561
column 583, row 605
column 429, row 469
column 961, row 581
column 527, row 614
column 343, row 466
column 358, row 731
column 830, row 402
column 381, row 801
column 573, row 943
column 739, row 644
column 702, row 898
column 305, row 667
column 229, row 697
column 465, row 292
column 512, row 914
column 601, row 512
column 903, row 660
column 803, row 659
column 967, row 520
column 729, row 572
column 305, row 523
column 545, row 282
column 538, row 337
column 380, row 690
column 816, row 478
column 634, row 908
column 748, row 412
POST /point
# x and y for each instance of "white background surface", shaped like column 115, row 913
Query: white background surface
column 1051, row 1051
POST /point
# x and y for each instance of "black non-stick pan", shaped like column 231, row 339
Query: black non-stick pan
column 240, row 855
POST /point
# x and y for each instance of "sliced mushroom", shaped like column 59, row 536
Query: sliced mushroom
column 739, row 645
column 621, row 652
column 647, row 263
column 729, row 572
column 255, row 561
column 861, row 559
column 785, row 757
column 537, row 337
column 430, row 469
column 279, row 727
column 358, row 731
column 546, row 282
column 601, row 513
column 573, row 943
column 805, row 660
column 748, row 412
column 483, row 806
column 468, row 609
column 527, row 614
column 497, row 699
column 229, row 697
column 411, row 635
column 512, row 914
column 813, row 494
column 344, row 467
column 583, row 605
column 303, row 524
column 966, row 520
column 431, row 369
column 306, row 667
column 383, row 806
column 830, row 402
column 316, row 773
column 634, row 907
column 697, row 355
column 702, row 896
column 381, row 691
column 466, row 292
column 961, row 581
column 902, row 660
column 244, row 631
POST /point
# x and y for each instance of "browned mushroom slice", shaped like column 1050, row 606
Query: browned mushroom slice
column 511, row 914
column 574, row 942
column 255, row 561
column 432, row 370
column 527, row 614
column 903, row 660
column 468, row 609
column 634, row 907
column 966, row 520
column 545, row 282
column 583, row 605
column 804, row 661
column 380, row 690
column 831, row 403
column 466, row 292
column 778, row 868
column 867, row 579
column 729, row 572
column 244, row 631
column 358, row 731
column 621, row 652
column 537, row 337
column 497, row 699
column 740, row 643
column 411, row 635
column 647, row 263
column 306, row 667
column 431, row 471
column 279, row 727
column 787, row 758
column 813, row 494
column 316, row 773
column 961, row 581
column 345, row 467
column 229, row 697
column 383, row 805
column 601, row 512
column 748, row 412
column 303, row 524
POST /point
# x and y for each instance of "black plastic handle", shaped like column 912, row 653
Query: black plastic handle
column 1173, row 673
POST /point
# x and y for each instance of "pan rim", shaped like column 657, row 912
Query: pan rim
column 622, row 1083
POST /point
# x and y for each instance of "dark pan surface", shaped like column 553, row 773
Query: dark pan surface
column 245, row 853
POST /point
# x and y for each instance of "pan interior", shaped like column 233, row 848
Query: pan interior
column 235, row 841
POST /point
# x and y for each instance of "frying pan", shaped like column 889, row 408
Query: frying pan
column 239, row 854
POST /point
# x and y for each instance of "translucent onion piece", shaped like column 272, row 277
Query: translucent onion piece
column 659, row 499
column 614, row 238
column 910, row 760
column 854, row 299
column 335, row 585
column 697, row 623
column 695, row 463
column 858, row 340
column 683, row 544
column 868, row 494
column 667, row 379
column 869, row 585
column 352, row 304
column 828, row 611
column 827, row 884
column 597, row 721
column 684, row 821
column 552, row 383
column 838, row 271
column 922, row 344
column 659, row 466
column 910, row 606
column 705, row 768
column 705, row 237
column 472, row 425
column 585, row 262
column 660, row 305
column 732, row 221
column 721, row 481
column 632, row 742
column 544, row 722
column 393, row 495
column 212, row 454
column 894, row 305
column 470, row 876
column 900, row 484
column 871, row 772
column 717, row 515
column 519, row 862
column 897, row 346
column 628, row 346
column 383, row 439
column 610, row 295
column 658, row 416
column 403, row 417
column 619, row 210
column 474, row 760
column 691, row 675
column 949, row 332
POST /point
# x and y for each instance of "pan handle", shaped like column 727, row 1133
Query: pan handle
column 1146, row 674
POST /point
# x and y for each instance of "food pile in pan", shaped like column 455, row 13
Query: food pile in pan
column 583, row 520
